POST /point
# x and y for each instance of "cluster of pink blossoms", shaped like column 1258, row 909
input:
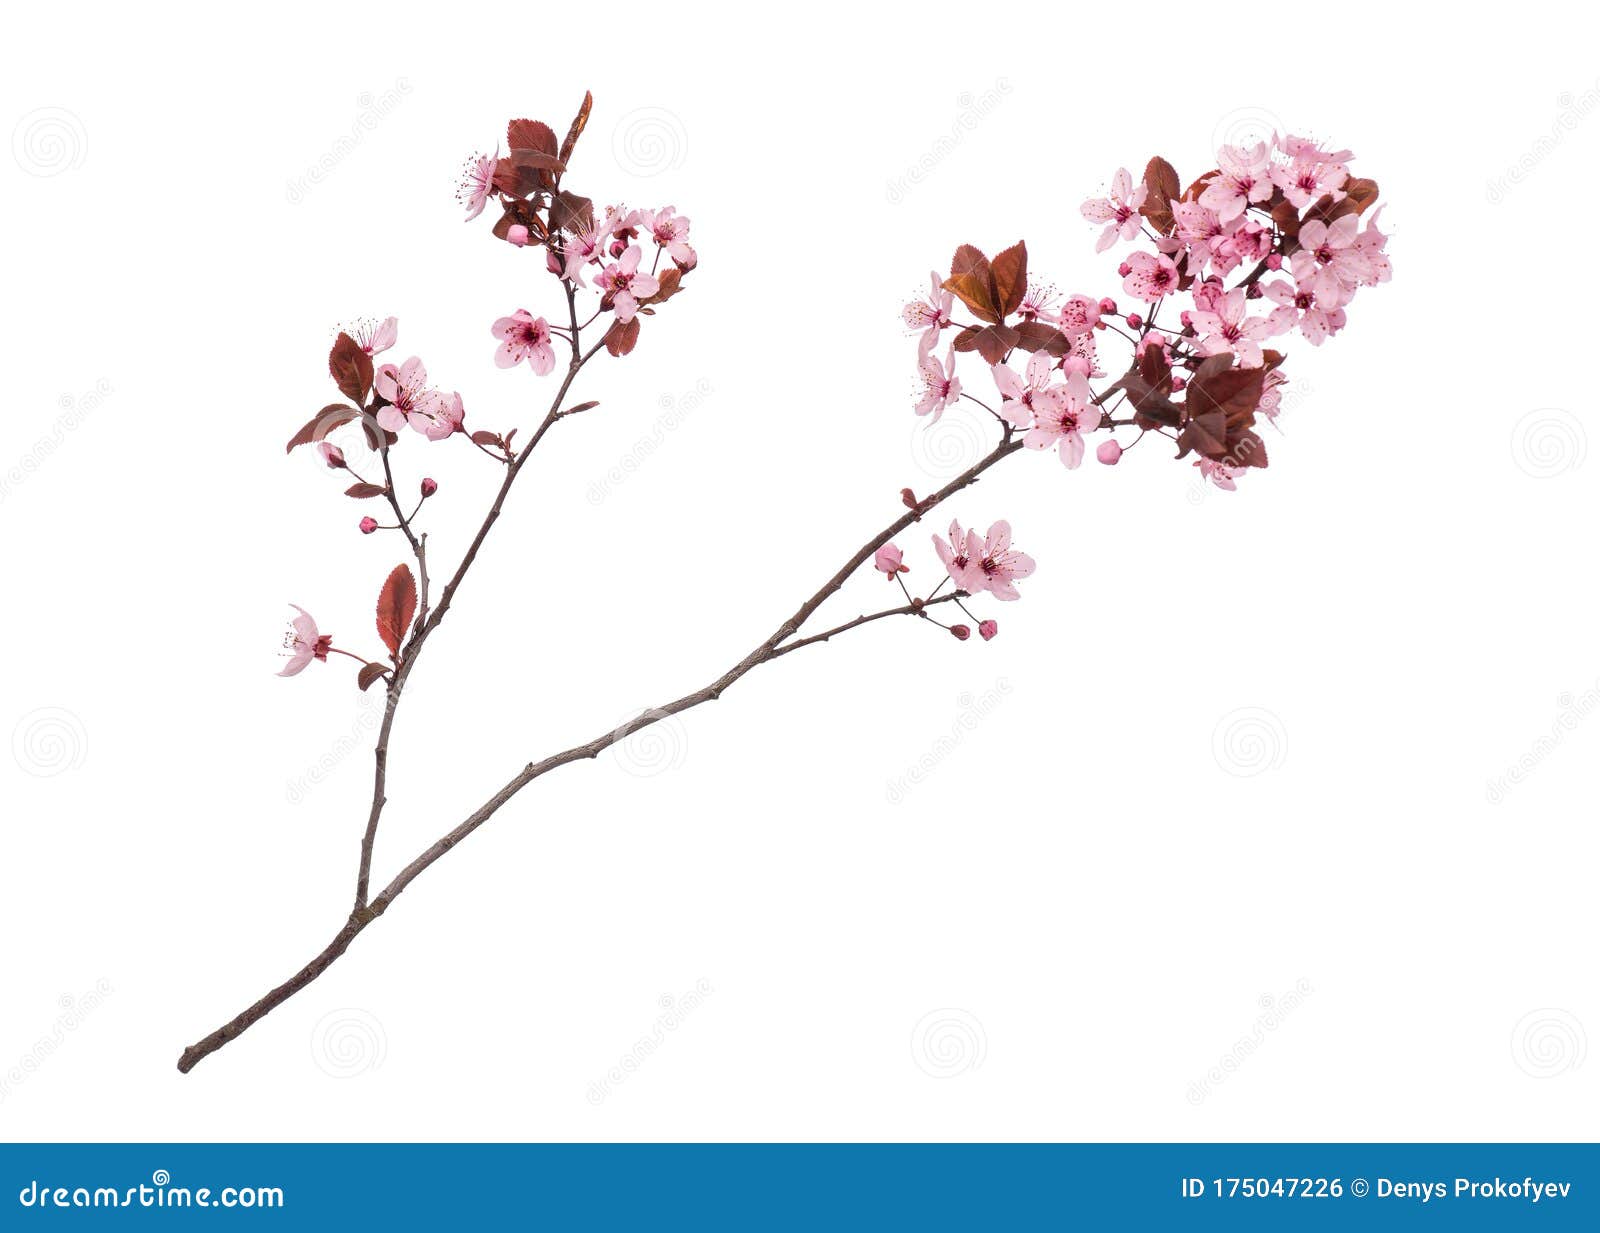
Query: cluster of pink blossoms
column 1277, row 238
column 612, row 269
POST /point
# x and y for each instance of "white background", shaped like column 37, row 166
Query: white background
column 1232, row 748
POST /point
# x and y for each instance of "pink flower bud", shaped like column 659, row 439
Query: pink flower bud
column 429, row 487
column 332, row 455
column 1274, row 261
column 1135, row 320
column 908, row 498
column 987, row 630
column 368, row 525
column 1109, row 453
column 1253, row 291
column 618, row 247
column 1124, row 269
column 961, row 632
column 1108, row 306
column 1178, row 383
column 552, row 263
column 517, row 234
column 1183, row 318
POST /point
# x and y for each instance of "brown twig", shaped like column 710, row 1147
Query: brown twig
column 770, row 649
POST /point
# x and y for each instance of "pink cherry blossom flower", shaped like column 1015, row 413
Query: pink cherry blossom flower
column 440, row 418
column 671, row 232
column 1064, row 420
column 304, row 642
column 1299, row 306
column 624, row 286
column 375, row 337
column 1222, row 474
column 1329, row 259
column 526, row 338
column 1026, row 400
column 1036, row 302
column 930, row 315
column 1370, row 243
column 1199, row 228
column 582, row 246
column 477, row 182
column 1308, row 175
column 959, row 555
column 1119, row 211
column 1244, row 179
column 1079, row 315
column 406, row 389
column 888, row 560
column 998, row 564
column 940, row 385
column 1230, row 329
column 1150, row 276
column 1272, row 396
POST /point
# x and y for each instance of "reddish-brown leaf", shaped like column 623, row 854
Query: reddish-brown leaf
column 363, row 491
column 1161, row 184
column 369, row 674
column 990, row 341
column 324, row 422
column 397, row 604
column 1205, row 434
column 351, row 368
column 1009, row 274
column 570, row 212
column 972, row 282
column 485, row 437
column 622, row 338
column 579, row 121
column 1038, row 336
column 531, row 135
column 1235, row 392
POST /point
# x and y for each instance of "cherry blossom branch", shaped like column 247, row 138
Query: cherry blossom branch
column 770, row 649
